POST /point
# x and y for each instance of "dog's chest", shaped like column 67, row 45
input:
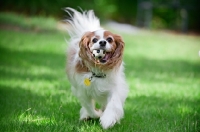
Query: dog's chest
column 95, row 86
column 99, row 89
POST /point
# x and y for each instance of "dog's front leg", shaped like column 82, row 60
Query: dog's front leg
column 88, row 109
column 113, row 112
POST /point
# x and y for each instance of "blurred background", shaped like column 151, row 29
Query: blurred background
column 177, row 15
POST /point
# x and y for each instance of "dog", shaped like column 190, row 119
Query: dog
column 96, row 80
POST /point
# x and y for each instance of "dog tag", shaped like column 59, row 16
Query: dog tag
column 87, row 82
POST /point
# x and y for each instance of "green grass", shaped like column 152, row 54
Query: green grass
column 162, row 70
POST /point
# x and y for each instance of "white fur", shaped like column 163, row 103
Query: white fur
column 82, row 22
column 110, row 92
column 96, row 45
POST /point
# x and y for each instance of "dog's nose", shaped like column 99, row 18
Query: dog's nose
column 102, row 43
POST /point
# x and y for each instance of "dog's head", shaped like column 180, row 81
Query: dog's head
column 112, row 44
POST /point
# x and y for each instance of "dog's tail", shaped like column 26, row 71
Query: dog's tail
column 81, row 22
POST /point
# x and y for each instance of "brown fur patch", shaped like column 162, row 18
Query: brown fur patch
column 84, row 52
column 80, row 67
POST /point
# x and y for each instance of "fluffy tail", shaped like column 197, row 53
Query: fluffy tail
column 81, row 22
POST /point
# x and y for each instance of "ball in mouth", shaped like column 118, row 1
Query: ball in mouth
column 101, row 55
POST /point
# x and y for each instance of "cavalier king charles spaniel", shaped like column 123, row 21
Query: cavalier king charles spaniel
column 96, row 80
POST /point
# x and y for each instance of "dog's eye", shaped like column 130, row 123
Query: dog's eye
column 109, row 40
column 94, row 40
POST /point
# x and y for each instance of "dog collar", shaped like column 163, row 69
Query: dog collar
column 100, row 75
column 87, row 81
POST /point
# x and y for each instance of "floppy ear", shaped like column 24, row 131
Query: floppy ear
column 116, row 58
column 84, row 44
column 85, row 39
column 119, row 47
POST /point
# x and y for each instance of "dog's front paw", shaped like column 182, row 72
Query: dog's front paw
column 107, row 121
column 83, row 114
column 97, row 113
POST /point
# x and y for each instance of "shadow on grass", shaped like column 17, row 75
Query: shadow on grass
column 150, row 113
column 22, row 108
column 149, row 69
column 26, row 64
column 170, row 113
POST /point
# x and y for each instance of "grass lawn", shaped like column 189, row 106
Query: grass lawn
column 162, row 70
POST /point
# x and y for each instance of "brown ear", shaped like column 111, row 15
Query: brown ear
column 85, row 39
column 116, row 58
column 119, row 47
column 84, row 45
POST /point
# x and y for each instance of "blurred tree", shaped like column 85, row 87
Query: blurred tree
column 173, row 14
